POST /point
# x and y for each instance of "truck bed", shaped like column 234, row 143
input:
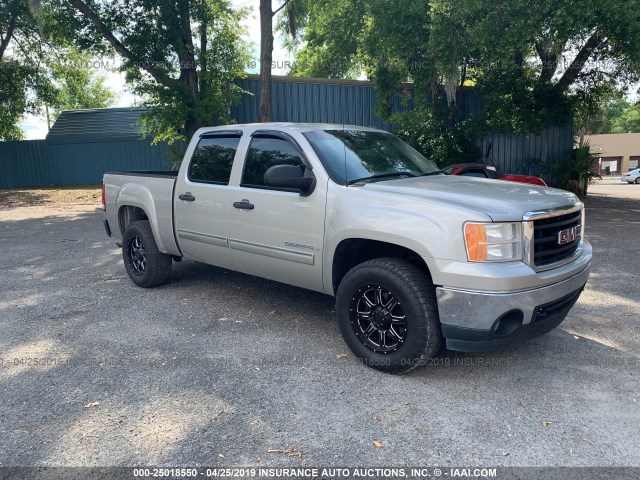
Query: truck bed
column 147, row 173
column 149, row 190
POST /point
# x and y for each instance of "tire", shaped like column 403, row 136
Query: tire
column 407, row 342
column 146, row 265
column 637, row 180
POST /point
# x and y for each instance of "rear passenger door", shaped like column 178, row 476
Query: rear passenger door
column 277, row 233
column 201, row 199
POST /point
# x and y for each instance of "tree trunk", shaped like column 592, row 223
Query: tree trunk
column 266, row 57
column 192, row 124
column 571, row 74
column 4, row 43
column 203, row 56
column 183, row 44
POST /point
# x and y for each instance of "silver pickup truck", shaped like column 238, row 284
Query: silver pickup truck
column 414, row 257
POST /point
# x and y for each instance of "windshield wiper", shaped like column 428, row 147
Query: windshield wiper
column 435, row 172
column 382, row 175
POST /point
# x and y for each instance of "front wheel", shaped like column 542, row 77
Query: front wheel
column 387, row 314
column 146, row 265
column 637, row 180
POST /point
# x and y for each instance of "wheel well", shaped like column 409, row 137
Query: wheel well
column 354, row 251
column 128, row 214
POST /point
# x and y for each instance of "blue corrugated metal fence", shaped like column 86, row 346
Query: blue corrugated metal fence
column 316, row 100
column 82, row 145
column 36, row 163
column 298, row 99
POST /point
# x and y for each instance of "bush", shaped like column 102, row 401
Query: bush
column 576, row 173
column 435, row 139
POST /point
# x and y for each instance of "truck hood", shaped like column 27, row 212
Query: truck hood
column 500, row 200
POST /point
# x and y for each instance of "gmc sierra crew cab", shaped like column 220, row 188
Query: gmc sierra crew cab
column 415, row 258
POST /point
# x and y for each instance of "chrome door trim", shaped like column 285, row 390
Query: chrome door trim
column 275, row 252
column 216, row 240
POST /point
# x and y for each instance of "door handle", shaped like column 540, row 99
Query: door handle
column 244, row 205
column 187, row 197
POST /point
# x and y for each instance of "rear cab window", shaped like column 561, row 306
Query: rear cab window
column 213, row 158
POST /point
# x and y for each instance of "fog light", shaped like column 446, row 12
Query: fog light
column 508, row 323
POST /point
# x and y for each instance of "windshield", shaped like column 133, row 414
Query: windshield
column 350, row 155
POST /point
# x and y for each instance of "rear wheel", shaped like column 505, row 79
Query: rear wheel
column 145, row 264
column 387, row 314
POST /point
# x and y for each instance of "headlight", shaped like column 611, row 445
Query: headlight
column 493, row 242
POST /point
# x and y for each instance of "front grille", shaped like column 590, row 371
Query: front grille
column 546, row 248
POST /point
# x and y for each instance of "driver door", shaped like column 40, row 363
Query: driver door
column 276, row 233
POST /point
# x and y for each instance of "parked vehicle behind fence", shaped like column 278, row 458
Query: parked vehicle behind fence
column 481, row 170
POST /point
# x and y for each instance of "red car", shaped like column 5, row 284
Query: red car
column 487, row 171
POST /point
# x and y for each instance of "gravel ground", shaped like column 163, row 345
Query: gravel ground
column 222, row 369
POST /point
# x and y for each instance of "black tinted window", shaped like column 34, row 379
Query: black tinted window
column 350, row 155
column 265, row 152
column 474, row 173
column 213, row 159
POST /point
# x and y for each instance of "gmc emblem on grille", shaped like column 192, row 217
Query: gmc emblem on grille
column 569, row 235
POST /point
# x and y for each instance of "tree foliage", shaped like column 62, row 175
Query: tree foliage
column 24, row 83
column 180, row 57
column 78, row 85
column 534, row 61
column 40, row 67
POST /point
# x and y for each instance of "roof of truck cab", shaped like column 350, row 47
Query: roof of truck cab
column 300, row 127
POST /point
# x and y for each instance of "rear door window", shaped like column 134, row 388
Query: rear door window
column 213, row 158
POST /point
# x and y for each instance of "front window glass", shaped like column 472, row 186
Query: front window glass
column 265, row 152
column 362, row 155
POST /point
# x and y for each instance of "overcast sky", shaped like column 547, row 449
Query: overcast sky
column 36, row 127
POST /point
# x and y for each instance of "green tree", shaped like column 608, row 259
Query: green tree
column 608, row 112
column 330, row 39
column 534, row 61
column 627, row 122
column 24, row 83
column 79, row 86
column 39, row 67
column 181, row 57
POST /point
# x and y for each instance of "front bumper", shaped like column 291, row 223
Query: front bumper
column 480, row 321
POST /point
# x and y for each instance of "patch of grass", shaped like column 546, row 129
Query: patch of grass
column 63, row 195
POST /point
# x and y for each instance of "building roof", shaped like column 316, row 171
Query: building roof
column 615, row 144
column 96, row 125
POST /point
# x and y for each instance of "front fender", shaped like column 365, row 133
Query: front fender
column 431, row 229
